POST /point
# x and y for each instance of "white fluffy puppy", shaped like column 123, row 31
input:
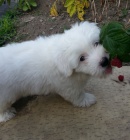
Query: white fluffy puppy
column 59, row 63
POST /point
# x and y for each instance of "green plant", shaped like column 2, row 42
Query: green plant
column 116, row 40
column 124, row 12
column 7, row 26
column 22, row 4
column 4, row 1
column 26, row 4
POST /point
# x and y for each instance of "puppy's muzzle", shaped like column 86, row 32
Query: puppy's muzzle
column 104, row 62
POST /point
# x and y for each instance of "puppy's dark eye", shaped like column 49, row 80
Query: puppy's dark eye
column 96, row 44
column 82, row 58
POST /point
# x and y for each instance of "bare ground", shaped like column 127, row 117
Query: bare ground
column 39, row 22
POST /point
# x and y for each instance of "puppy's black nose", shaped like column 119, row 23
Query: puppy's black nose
column 104, row 62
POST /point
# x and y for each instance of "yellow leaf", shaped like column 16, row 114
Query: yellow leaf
column 63, row 2
column 80, row 10
column 87, row 4
column 84, row 0
column 72, row 10
column 69, row 8
column 80, row 7
column 68, row 3
column 77, row 2
column 53, row 10
column 80, row 15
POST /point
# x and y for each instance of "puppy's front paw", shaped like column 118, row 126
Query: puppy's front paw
column 86, row 99
column 10, row 113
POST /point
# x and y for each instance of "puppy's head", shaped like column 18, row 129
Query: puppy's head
column 82, row 53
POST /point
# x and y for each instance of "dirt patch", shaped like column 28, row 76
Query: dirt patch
column 39, row 22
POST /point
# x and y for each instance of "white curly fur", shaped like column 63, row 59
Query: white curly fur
column 51, row 64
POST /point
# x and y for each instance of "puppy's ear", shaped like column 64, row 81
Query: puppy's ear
column 64, row 65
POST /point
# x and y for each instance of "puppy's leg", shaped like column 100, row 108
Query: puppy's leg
column 7, row 115
column 85, row 99
column 80, row 99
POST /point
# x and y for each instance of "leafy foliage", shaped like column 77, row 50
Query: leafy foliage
column 116, row 40
column 4, row 1
column 73, row 7
column 124, row 12
column 26, row 5
column 22, row 4
column 7, row 26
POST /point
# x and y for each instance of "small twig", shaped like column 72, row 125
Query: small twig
column 127, row 24
column 104, row 7
column 116, row 3
column 126, row 4
column 94, row 12
column 119, row 2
